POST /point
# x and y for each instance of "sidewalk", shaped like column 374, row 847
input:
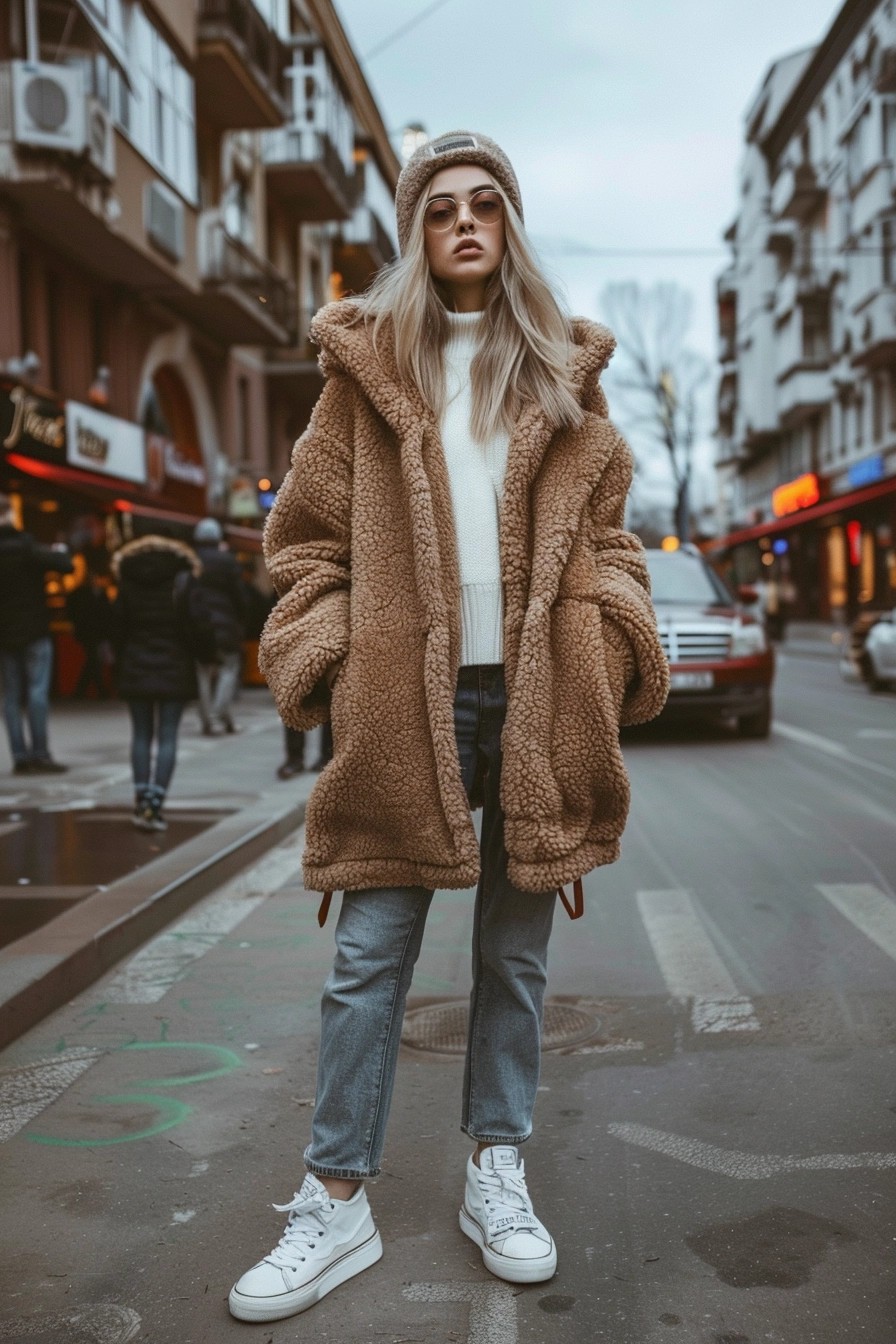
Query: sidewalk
column 226, row 807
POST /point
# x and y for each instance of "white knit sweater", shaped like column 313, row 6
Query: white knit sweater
column 476, row 473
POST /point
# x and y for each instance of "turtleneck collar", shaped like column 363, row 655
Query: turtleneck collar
column 463, row 328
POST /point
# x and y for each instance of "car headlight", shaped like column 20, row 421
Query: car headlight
column 747, row 640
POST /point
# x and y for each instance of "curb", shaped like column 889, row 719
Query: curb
column 46, row 968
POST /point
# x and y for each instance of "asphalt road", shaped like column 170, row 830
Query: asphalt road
column 715, row 1149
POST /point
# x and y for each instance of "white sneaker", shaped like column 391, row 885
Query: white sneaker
column 497, row 1215
column 326, row 1241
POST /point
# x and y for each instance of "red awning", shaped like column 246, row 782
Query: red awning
column 839, row 504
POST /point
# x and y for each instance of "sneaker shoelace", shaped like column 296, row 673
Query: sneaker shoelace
column 507, row 1202
column 304, row 1228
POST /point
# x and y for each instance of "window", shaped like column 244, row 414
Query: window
column 878, row 395
column 238, row 211
column 887, row 239
column 275, row 14
column 243, row 417
column 161, row 118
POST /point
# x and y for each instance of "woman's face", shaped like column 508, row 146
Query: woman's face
column 464, row 256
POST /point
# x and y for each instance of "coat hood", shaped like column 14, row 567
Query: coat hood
column 151, row 560
column 346, row 344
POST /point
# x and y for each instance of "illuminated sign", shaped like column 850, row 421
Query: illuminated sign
column 103, row 443
column 795, row 495
column 868, row 471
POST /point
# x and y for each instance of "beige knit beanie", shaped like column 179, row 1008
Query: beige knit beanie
column 444, row 152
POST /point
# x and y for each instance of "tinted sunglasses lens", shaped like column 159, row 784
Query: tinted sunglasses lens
column 486, row 206
column 440, row 213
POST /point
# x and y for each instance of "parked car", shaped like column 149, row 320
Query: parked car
column 721, row 662
column 872, row 660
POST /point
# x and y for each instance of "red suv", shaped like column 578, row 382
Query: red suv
column 720, row 659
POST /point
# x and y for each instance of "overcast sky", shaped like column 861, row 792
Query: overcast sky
column 624, row 121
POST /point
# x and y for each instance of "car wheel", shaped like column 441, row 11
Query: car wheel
column 875, row 683
column 758, row 724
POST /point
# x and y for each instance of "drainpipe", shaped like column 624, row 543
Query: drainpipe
column 32, row 41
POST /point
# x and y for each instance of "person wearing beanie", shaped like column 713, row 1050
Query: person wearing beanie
column 459, row 598
column 216, row 601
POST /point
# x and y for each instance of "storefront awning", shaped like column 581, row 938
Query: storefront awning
column 839, row 504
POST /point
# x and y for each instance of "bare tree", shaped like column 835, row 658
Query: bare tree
column 657, row 377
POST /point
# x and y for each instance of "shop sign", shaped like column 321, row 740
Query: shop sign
column 243, row 499
column 103, row 443
column 866, row 472
column 165, row 462
column 32, row 424
column 796, row 495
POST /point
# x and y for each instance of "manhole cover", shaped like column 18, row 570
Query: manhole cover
column 442, row 1028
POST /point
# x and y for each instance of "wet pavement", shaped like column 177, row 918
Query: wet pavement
column 53, row 857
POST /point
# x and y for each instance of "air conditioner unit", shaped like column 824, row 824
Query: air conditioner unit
column 100, row 133
column 48, row 105
column 164, row 215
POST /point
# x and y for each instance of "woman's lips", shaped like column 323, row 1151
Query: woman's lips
column 470, row 247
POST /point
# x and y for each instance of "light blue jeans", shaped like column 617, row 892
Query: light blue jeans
column 378, row 938
column 26, row 675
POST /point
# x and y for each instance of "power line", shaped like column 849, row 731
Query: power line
column 571, row 248
column 405, row 28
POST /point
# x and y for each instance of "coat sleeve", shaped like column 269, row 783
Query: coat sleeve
column 307, row 548
column 636, row 665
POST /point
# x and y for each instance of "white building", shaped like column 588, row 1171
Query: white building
column 806, row 455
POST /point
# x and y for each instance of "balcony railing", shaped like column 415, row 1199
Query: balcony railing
column 305, row 168
column 803, row 390
column 255, row 303
column 797, row 193
column 240, row 67
column 363, row 245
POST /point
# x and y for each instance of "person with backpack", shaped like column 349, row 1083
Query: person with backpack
column 156, row 670
column 216, row 602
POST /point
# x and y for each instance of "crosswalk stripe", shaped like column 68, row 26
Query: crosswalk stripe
column 29, row 1089
column 690, row 964
column 867, row 908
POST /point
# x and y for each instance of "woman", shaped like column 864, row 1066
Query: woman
column 156, row 674
column 457, row 593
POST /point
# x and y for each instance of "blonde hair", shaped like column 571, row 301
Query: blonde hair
column 526, row 340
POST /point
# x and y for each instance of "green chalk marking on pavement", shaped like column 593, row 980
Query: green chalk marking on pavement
column 170, row 1112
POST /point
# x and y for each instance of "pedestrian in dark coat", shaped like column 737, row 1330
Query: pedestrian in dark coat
column 219, row 599
column 90, row 613
column 26, row 647
column 156, row 674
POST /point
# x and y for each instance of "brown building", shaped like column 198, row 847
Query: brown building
column 182, row 184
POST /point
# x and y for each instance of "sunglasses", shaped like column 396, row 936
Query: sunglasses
column 441, row 212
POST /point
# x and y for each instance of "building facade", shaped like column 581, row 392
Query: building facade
column 806, row 456
column 182, row 184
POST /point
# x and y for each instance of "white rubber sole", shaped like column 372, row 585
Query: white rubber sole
column 290, row 1304
column 502, row 1266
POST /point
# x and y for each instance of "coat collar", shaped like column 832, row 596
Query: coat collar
column 347, row 345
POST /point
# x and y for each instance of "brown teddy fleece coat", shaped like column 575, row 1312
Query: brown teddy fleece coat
column 361, row 548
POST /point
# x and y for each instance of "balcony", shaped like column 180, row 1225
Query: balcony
column 305, row 170
column 781, row 237
column 245, row 300
column 240, row 67
column 874, row 338
column 797, row 193
column 803, row 390
column 362, row 246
